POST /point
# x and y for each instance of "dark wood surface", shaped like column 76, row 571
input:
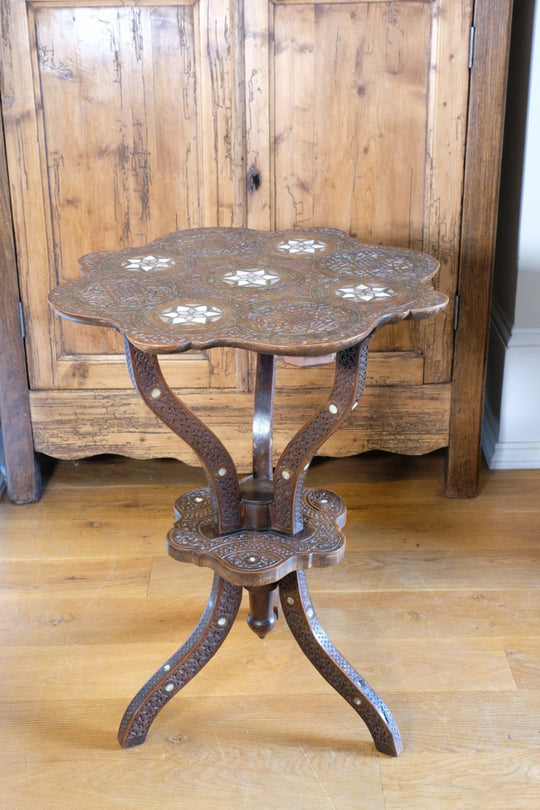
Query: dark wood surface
column 299, row 293
column 293, row 292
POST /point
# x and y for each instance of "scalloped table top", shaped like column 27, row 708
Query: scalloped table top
column 303, row 293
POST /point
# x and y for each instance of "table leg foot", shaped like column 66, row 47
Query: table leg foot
column 214, row 626
column 340, row 674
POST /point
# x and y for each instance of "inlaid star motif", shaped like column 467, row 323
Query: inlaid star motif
column 147, row 263
column 191, row 314
column 365, row 292
column 257, row 277
column 300, row 246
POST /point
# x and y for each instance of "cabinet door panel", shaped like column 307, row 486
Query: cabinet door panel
column 367, row 106
column 126, row 107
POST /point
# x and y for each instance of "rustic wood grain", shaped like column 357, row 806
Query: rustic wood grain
column 22, row 473
column 407, row 419
column 479, row 222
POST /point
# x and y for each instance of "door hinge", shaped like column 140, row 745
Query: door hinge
column 21, row 320
column 456, row 312
column 472, row 35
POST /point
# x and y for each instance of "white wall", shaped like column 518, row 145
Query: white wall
column 511, row 437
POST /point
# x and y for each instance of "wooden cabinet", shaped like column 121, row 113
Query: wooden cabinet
column 124, row 122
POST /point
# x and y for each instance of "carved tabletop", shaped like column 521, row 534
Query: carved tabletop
column 294, row 293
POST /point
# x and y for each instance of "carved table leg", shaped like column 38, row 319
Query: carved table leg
column 214, row 626
column 291, row 468
column 334, row 668
column 215, row 459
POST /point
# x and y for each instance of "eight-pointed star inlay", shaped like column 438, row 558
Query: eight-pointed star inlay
column 300, row 246
column 365, row 292
column 194, row 313
column 147, row 263
column 256, row 277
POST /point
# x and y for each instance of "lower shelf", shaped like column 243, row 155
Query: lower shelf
column 258, row 558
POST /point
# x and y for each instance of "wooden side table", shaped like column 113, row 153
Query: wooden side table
column 297, row 293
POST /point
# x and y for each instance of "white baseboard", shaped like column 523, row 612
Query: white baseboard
column 511, row 440
column 507, row 455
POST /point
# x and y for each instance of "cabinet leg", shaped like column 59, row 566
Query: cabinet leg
column 315, row 644
column 214, row 626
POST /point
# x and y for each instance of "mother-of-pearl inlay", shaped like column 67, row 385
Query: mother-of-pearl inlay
column 147, row 263
column 300, row 246
column 365, row 292
column 251, row 277
column 191, row 313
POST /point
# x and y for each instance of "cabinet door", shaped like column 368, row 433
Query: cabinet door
column 121, row 126
column 367, row 108
column 124, row 122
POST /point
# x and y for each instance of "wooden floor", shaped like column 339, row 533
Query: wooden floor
column 437, row 604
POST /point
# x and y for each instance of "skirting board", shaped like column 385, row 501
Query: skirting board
column 507, row 455
column 514, row 354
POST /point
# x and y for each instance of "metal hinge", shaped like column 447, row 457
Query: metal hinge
column 456, row 312
column 472, row 36
column 21, row 320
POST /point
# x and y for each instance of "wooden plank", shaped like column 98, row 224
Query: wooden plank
column 448, row 87
column 254, row 767
column 509, row 781
column 402, row 665
column 177, row 595
column 22, row 473
column 492, row 21
column 524, row 660
column 406, row 419
column 387, row 570
column 65, row 576
column 215, row 368
column 384, row 368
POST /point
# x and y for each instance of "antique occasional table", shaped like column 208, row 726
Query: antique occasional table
column 298, row 294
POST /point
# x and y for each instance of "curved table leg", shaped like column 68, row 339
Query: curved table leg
column 215, row 459
column 214, row 626
column 315, row 644
column 291, row 468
